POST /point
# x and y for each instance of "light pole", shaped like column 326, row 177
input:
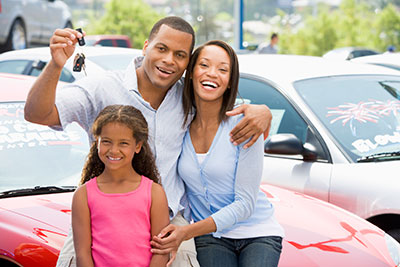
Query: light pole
column 238, row 32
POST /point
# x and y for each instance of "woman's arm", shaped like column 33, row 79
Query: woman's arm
column 81, row 228
column 247, row 186
column 159, row 218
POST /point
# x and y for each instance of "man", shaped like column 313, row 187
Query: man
column 271, row 48
column 152, row 84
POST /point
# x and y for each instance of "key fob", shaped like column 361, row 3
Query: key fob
column 79, row 62
column 81, row 41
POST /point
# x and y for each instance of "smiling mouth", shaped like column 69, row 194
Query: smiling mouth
column 113, row 159
column 165, row 71
column 209, row 84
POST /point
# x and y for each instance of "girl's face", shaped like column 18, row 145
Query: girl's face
column 211, row 73
column 116, row 146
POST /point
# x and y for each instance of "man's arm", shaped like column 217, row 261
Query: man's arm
column 256, row 121
column 40, row 104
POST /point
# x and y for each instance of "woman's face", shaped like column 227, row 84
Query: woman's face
column 211, row 73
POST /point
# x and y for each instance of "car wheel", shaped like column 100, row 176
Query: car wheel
column 395, row 233
column 17, row 37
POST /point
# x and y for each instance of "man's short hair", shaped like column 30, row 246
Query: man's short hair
column 176, row 23
column 274, row 35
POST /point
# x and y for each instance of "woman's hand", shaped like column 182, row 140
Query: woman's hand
column 168, row 241
column 256, row 121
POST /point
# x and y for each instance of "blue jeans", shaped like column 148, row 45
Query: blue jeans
column 250, row 252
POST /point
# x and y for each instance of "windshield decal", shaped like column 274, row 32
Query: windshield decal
column 15, row 132
column 365, row 145
column 363, row 112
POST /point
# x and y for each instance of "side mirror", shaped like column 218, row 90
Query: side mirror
column 39, row 65
column 289, row 144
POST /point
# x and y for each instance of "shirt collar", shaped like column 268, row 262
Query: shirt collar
column 130, row 80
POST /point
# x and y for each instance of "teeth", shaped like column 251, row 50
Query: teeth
column 207, row 83
column 113, row 158
column 166, row 71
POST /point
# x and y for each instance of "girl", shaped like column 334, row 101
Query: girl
column 120, row 204
column 222, row 180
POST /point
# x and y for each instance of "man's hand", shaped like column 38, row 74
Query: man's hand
column 62, row 45
column 256, row 121
column 168, row 241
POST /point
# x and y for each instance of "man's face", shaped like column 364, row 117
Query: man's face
column 166, row 56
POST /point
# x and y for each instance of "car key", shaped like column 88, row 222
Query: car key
column 79, row 63
column 81, row 40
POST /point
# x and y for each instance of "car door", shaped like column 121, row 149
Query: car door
column 32, row 14
column 289, row 171
column 53, row 10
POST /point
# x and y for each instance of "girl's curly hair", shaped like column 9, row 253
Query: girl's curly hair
column 143, row 162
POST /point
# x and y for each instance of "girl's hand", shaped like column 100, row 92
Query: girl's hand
column 256, row 121
column 168, row 241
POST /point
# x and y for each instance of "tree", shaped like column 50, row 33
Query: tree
column 387, row 25
column 133, row 18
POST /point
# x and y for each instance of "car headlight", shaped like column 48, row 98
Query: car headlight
column 394, row 249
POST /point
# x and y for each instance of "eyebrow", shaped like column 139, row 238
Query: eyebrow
column 179, row 51
column 225, row 63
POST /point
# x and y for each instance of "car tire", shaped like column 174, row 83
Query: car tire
column 17, row 37
column 395, row 233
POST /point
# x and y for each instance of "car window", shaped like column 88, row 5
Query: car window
column 105, row 42
column 66, row 75
column 362, row 112
column 15, row 66
column 285, row 118
column 36, row 155
column 122, row 43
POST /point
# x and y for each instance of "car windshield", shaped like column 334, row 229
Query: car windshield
column 35, row 155
column 362, row 113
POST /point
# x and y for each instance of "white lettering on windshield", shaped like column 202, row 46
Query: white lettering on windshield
column 365, row 145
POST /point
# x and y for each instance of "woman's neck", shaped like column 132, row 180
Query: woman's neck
column 207, row 113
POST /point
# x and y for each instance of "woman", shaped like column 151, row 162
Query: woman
column 222, row 180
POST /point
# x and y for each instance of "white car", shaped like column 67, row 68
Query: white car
column 335, row 132
column 388, row 60
column 347, row 53
column 26, row 22
column 31, row 61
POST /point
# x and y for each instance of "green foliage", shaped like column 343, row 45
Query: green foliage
column 387, row 25
column 128, row 17
column 355, row 23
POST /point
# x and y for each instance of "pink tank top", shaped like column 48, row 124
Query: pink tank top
column 120, row 225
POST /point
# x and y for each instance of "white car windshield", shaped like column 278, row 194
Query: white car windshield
column 362, row 112
column 33, row 155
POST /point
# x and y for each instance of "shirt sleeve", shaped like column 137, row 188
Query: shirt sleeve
column 77, row 102
column 247, row 182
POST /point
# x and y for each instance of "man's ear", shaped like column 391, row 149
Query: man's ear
column 138, row 147
column 145, row 45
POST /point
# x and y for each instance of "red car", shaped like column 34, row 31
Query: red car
column 40, row 167
column 108, row 40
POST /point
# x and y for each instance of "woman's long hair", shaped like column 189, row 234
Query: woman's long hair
column 143, row 162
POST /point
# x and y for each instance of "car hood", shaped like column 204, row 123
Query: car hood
column 49, row 209
column 320, row 234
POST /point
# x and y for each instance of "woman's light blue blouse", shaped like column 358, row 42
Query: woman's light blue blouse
column 225, row 185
